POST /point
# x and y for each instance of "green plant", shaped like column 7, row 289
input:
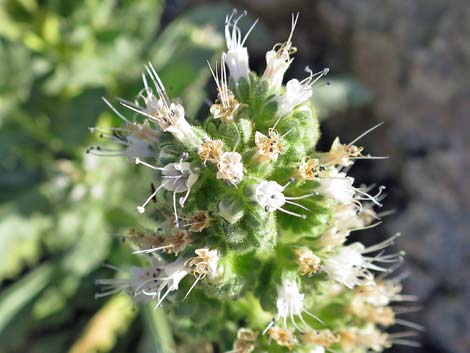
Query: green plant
column 247, row 248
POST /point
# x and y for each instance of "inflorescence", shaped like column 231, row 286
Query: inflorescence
column 253, row 219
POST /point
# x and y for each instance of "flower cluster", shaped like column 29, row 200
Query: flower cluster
column 253, row 218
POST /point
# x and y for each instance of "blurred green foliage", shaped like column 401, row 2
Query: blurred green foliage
column 59, row 206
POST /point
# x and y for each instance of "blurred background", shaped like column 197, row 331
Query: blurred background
column 404, row 63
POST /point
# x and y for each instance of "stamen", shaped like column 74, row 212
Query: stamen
column 364, row 134
column 295, row 18
column 298, row 205
column 134, row 108
column 409, row 324
column 139, row 161
column 192, row 287
column 293, row 213
column 115, row 110
column 141, row 209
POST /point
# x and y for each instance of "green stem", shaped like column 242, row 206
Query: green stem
column 158, row 330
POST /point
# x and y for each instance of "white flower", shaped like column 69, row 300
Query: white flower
column 270, row 196
column 137, row 148
column 289, row 299
column 236, row 55
column 297, row 92
column 202, row 265
column 278, row 59
column 147, row 283
column 169, row 116
column 345, row 220
column 177, row 177
column 350, row 267
column 230, row 167
column 337, row 186
column 290, row 304
column 138, row 139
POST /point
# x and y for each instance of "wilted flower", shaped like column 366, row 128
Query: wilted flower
column 137, row 138
column 283, row 337
column 268, row 148
column 308, row 262
column 230, row 167
column 205, row 263
column 210, row 150
column 309, row 169
column 226, row 106
column 279, row 58
column 245, row 342
column 369, row 338
column 323, row 338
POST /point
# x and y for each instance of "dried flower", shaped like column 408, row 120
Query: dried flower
column 308, row 262
column 230, row 167
column 309, row 169
column 245, row 342
column 210, row 150
column 323, row 338
column 283, row 337
column 268, row 147
column 226, row 106
column 279, row 58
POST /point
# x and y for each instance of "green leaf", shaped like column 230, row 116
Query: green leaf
column 91, row 248
column 15, row 297
column 158, row 337
column 20, row 243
